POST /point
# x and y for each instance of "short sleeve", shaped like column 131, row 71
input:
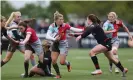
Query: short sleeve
column 29, row 31
column 67, row 26
column 105, row 26
column 120, row 23
column 50, row 28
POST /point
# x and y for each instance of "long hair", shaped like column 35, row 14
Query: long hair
column 11, row 17
column 30, row 22
column 45, row 44
column 2, row 18
column 22, row 23
column 25, row 23
column 94, row 18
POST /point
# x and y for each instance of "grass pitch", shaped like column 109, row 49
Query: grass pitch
column 81, row 63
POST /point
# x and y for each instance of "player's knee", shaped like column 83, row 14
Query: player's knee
column 114, row 52
column 62, row 62
column 26, row 60
column 54, row 62
column 32, row 57
column 91, row 53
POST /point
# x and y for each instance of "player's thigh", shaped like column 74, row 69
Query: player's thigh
column 62, row 58
column 27, row 54
column 37, row 47
column 98, row 49
column 115, row 45
column 37, row 70
column 54, row 56
column 110, row 56
column 63, row 54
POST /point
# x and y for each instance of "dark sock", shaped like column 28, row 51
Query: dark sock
column 2, row 63
column 56, row 67
column 26, row 66
column 95, row 61
column 120, row 66
column 110, row 63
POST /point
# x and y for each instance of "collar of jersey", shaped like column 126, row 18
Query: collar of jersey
column 56, row 25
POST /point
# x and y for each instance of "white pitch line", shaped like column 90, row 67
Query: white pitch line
column 130, row 60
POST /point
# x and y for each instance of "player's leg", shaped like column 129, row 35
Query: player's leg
column 21, row 48
column 11, row 49
column 27, row 55
column 37, row 46
column 7, row 58
column 35, row 70
column 96, row 50
column 110, row 56
column 63, row 61
column 54, row 56
column 115, row 46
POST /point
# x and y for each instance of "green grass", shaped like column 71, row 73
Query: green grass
column 81, row 67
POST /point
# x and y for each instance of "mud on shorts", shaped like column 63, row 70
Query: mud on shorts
column 60, row 47
column 35, row 47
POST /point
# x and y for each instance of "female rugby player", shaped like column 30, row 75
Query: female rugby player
column 104, row 44
column 57, row 34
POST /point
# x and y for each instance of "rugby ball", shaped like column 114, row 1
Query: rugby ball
column 130, row 43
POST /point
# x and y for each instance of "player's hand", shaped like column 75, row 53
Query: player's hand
column 21, row 43
column 130, row 37
column 71, row 34
column 114, row 30
column 58, row 37
column 17, row 42
column 7, row 28
column 78, row 38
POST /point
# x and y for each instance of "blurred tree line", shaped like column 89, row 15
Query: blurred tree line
column 124, row 9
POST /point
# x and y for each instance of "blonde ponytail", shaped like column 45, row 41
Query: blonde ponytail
column 57, row 15
column 12, row 17
column 2, row 18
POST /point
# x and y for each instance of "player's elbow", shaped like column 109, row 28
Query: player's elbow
column 47, row 36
